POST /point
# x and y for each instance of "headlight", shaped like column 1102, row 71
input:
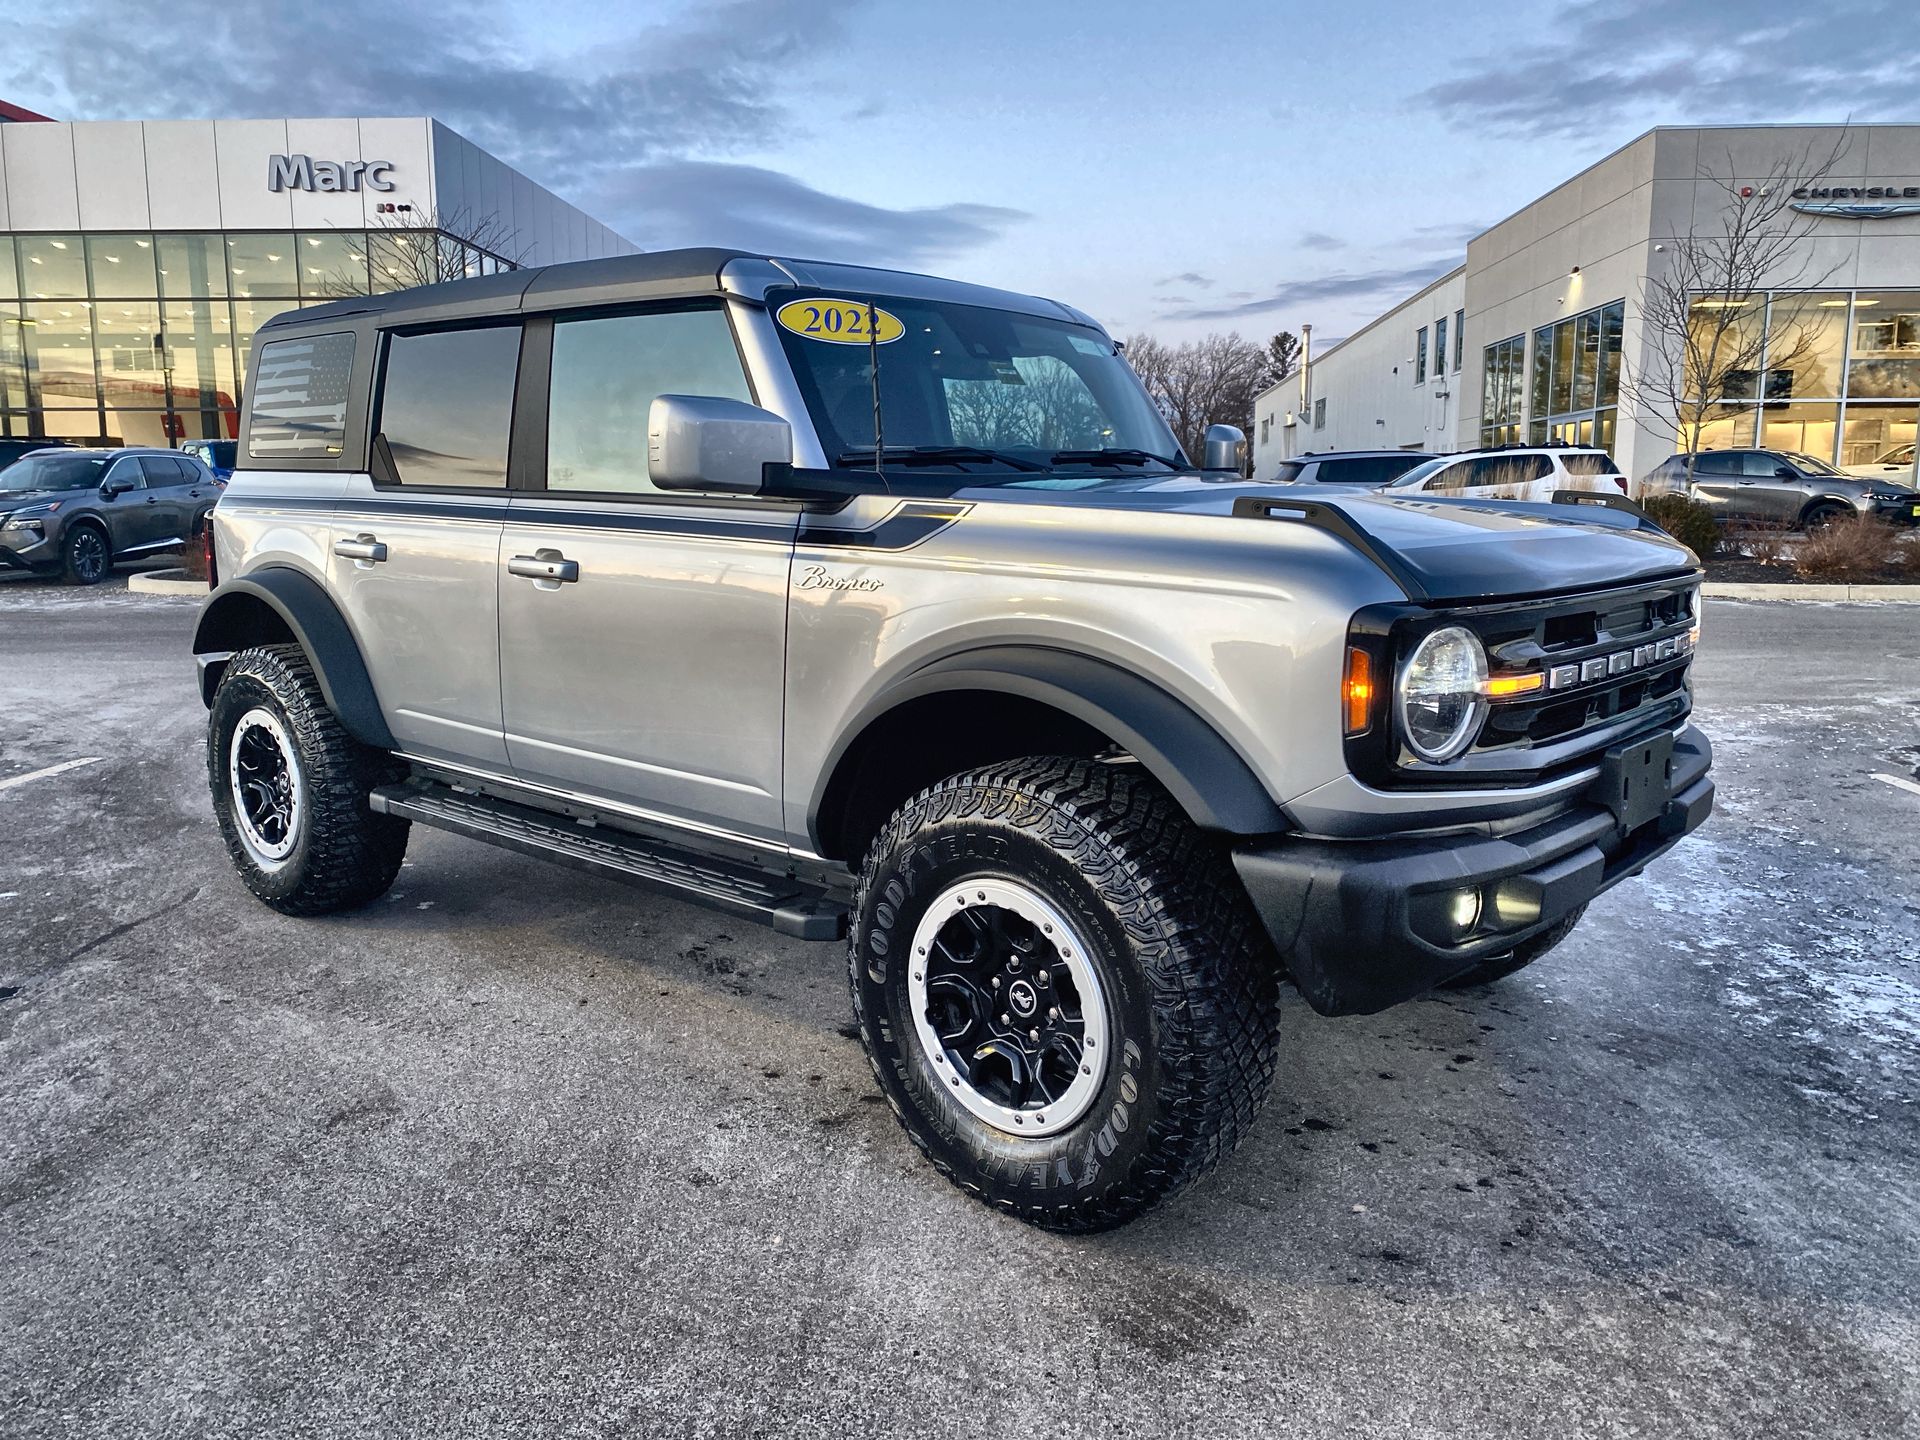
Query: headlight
column 30, row 515
column 1891, row 495
column 1440, row 701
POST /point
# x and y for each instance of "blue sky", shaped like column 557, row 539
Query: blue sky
column 1174, row 168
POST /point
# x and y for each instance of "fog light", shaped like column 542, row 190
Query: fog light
column 1463, row 911
column 1516, row 905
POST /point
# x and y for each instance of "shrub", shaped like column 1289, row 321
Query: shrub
column 1761, row 540
column 193, row 559
column 1687, row 521
column 1854, row 547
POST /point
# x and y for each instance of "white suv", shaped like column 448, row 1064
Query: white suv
column 1535, row 473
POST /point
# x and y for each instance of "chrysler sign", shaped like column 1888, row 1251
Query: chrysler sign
column 298, row 172
column 1857, row 202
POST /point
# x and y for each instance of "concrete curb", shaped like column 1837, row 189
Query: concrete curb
column 165, row 582
column 1896, row 594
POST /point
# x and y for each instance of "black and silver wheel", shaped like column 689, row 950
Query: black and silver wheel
column 1498, row 967
column 86, row 557
column 1063, row 990
column 1818, row 517
column 290, row 789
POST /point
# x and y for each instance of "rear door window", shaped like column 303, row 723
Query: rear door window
column 1494, row 470
column 298, row 407
column 1720, row 463
column 446, row 406
column 163, row 471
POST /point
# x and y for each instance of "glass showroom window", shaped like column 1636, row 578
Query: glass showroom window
column 1840, row 377
column 1501, row 395
column 1576, row 377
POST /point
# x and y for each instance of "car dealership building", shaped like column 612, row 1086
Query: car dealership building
column 138, row 257
column 1525, row 342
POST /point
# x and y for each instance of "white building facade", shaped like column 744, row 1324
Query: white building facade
column 138, row 257
column 1551, row 297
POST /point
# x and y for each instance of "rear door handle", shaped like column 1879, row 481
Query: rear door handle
column 547, row 566
column 363, row 548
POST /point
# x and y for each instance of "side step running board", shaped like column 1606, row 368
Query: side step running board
column 788, row 905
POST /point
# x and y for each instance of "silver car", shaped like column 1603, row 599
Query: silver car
column 877, row 606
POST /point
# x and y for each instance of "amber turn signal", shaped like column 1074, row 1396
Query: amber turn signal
column 1357, row 692
column 1505, row 687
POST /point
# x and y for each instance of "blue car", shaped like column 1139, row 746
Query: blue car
column 216, row 455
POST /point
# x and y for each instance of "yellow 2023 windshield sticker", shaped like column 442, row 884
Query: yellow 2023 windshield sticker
column 839, row 322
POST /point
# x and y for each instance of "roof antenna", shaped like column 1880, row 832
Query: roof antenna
column 873, row 369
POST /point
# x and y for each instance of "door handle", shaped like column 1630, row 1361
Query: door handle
column 153, row 499
column 548, row 567
column 362, row 548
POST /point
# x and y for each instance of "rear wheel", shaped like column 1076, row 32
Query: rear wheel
column 86, row 557
column 290, row 789
column 1065, row 995
column 1498, row 967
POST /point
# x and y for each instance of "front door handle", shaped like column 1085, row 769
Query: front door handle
column 548, row 567
column 362, row 548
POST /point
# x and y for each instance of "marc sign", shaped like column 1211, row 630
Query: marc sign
column 301, row 172
column 1857, row 202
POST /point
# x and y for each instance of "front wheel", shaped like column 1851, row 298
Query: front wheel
column 290, row 789
column 1065, row 995
column 86, row 557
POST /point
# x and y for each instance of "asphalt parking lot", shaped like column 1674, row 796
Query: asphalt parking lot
column 517, row 1153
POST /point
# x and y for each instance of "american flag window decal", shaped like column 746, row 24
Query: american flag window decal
column 299, row 401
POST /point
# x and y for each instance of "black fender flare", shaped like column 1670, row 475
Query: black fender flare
column 1199, row 768
column 318, row 628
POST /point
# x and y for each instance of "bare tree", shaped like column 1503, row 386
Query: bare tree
column 1709, row 344
column 426, row 247
column 1210, row 381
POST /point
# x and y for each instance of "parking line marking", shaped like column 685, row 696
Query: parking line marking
column 60, row 769
column 1898, row 781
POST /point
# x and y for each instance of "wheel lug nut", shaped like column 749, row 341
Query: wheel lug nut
column 1033, row 1034
column 996, row 982
column 1005, row 1021
column 1052, row 1013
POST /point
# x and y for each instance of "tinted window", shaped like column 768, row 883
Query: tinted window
column 298, row 406
column 1758, row 464
column 164, row 470
column 1508, row 470
column 606, row 373
column 1589, row 464
column 1453, row 477
column 126, row 471
column 446, row 406
column 1366, row 469
column 1288, row 472
column 1719, row 463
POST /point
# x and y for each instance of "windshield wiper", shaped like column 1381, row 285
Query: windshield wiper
column 1111, row 457
column 934, row 455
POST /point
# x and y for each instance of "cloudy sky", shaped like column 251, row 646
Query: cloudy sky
column 1177, row 166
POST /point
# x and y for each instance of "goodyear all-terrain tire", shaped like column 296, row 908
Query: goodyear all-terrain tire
column 1498, row 967
column 290, row 789
column 1064, row 992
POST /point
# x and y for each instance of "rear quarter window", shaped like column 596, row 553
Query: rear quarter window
column 1367, row 469
column 298, row 408
column 1589, row 465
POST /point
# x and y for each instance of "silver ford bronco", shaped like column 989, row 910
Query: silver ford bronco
column 883, row 607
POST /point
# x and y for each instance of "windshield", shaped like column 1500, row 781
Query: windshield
column 1813, row 466
column 1420, row 472
column 1043, row 393
column 53, row 472
column 1899, row 455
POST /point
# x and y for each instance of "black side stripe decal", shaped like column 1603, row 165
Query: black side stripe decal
column 912, row 523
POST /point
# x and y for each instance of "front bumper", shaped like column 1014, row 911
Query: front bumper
column 1904, row 511
column 1363, row 925
column 27, row 550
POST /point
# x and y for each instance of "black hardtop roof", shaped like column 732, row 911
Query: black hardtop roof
column 630, row 279
column 1361, row 454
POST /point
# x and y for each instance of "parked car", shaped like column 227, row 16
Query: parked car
column 1783, row 487
column 12, row 450
column 1350, row 469
column 75, row 512
column 216, row 455
column 1533, row 473
column 1083, row 745
column 1896, row 464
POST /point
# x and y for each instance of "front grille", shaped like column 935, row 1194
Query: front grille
column 1541, row 736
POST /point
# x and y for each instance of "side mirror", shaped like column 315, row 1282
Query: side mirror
column 1226, row 445
column 700, row 442
column 1785, row 472
column 114, row 489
